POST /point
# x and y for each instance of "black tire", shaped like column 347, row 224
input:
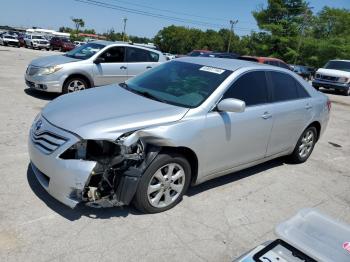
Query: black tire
column 296, row 157
column 347, row 92
column 141, row 201
column 68, row 82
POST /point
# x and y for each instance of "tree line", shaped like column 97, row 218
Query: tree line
column 289, row 30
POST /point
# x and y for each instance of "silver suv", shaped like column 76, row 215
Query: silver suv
column 94, row 64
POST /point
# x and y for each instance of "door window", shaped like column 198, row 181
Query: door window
column 285, row 87
column 250, row 88
column 114, row 55
column 140, row 55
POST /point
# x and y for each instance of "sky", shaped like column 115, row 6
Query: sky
column 210, row 14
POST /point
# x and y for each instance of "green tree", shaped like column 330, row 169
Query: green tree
column 78, row 23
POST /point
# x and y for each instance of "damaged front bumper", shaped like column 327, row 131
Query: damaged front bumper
column 72, row 170
column 63, row 179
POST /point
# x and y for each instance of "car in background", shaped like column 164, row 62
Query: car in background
column 36, row 42
column 334, row 75
column 266, row 60
column 169, row 56
column 93, row 64
column 7, row 39
column 184, row 122
column 79, row 43
column 304, row 71
column 61, row 44
column 220, row 55
column 21, row 40
column 198, row 52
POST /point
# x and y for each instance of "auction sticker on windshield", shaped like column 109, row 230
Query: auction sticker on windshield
column 212, row 70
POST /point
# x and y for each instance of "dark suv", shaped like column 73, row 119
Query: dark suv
column 61, row 44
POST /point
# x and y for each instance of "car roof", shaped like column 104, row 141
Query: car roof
column 224, row 63
column 108, row 43
column 340, row 60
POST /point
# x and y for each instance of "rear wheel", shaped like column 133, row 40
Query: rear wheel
column 74, row 84
column 305, row 145
column 347, row 92
column 163, row 184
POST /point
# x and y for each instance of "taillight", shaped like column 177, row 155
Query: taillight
column 329, row 104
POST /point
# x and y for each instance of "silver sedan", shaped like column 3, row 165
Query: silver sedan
column 182, row 123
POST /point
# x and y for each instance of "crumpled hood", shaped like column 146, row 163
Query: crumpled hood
column 52, row 60
column 333, row 72
column 107, row 112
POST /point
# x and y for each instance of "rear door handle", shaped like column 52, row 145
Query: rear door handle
column 266, row 115
column 123, row 67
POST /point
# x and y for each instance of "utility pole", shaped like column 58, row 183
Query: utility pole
column 124, row 21
column 231, row 33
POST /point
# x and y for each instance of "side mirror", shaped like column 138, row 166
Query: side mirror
column 231, row 105
column 99, row 60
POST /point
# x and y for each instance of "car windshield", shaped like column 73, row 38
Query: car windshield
column 85, row 51
column 65, row 40
column 338, row 65
column 9, row 37
column 178, row 83
column 37, row 37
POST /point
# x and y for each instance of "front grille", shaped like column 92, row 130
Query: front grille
column 32, row 70
column 329, row 78
column 47, row 141
column 43, row 42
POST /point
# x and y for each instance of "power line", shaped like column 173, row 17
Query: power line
column 170, row 11
column 155, row 15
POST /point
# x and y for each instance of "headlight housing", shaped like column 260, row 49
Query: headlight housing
column 49, row 70
column 343, row 79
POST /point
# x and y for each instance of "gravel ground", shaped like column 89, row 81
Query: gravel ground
column 216, row 221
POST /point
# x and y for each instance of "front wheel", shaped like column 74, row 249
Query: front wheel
column 305, row 145
column 163, row 184
column 347, row 92
column 74, row 84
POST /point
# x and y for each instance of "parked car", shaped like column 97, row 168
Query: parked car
column 20, row 39
column 220, row 55
column 198, row 52
column 309, row 236
column 94, row 64
column 184, row 122
column 266, row 60
column 304, row 71
column 6, row 39
column 169, row 56
column 334, row 75
column 36, row 42
column 79, row 43
column 61, row 44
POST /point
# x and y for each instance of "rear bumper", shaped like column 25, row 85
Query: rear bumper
column 330, row 85
column 63, row 179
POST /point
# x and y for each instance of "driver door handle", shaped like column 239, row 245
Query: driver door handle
column 266, row 115
column 148, row 67
column 123, row 67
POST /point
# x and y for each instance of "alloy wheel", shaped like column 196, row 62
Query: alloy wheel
column 166, row 185
column 76, row 85
column 307, row 143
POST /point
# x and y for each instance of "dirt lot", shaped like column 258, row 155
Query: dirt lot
column 216, row 221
